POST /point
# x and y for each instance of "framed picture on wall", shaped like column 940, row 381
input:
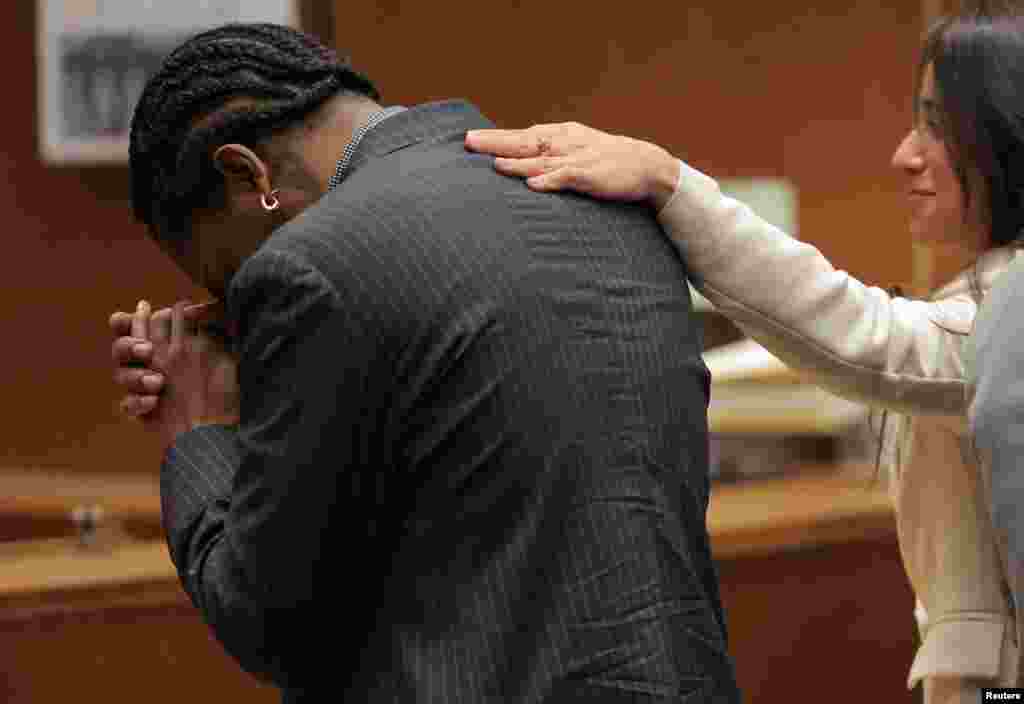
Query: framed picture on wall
column 94, row 57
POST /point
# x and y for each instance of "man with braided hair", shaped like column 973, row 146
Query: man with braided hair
column 469, row 457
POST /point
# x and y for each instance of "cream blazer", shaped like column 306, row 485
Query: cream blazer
column 895, row 353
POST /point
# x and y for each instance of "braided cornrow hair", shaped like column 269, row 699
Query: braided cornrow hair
column 288, row 73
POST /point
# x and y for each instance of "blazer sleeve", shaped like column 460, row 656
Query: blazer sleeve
column 247, row 509
column 996, row 419
column 854, row 339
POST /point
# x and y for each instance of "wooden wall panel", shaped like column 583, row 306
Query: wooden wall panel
column 160, row 654
column 834, row 623
column 72, row 255
column 818, row 93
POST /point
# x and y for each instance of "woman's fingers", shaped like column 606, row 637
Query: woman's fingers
column 571, row 156
column 534, row 141
column 509, row 143
column 527, row 167
column 560, row 179
column 552, row 173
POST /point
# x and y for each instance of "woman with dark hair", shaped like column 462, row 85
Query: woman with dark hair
column 964, row 166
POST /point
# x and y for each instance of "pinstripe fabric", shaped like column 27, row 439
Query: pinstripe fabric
column 472, row 459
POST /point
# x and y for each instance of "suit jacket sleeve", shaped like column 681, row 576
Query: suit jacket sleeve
column 855, row 339
column 996, row 417
column 246, row 509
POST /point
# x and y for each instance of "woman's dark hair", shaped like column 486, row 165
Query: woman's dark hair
column 977, row 60
column 289, row 73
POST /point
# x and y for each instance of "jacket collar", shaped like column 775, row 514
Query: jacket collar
column 429, row 122
column 987, row 268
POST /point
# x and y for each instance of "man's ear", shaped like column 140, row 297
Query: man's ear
column 243, row 169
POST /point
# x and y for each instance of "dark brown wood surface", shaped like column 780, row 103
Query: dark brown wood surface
column 72, row 255
column 811, row 581
column 816, row 93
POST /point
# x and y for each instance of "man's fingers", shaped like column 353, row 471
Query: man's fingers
column 178, row 326
column 135, row 405
column 205, row 312
column 140, row 321
column 160, row 326
column 139, row 381
column 131, row 350
column 160, row 321
column 121, row 324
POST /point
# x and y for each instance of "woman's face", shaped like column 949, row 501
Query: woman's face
column 935, row 197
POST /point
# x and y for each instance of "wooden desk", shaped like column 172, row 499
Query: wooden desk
column 105, row 624
column 809, row 571
column 820, row 507
column 818, row 605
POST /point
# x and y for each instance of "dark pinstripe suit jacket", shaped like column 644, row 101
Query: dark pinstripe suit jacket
column 471, row 464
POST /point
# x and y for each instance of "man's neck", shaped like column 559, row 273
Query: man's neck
column 326, row 141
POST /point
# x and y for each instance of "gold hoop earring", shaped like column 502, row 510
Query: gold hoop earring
column 270, row 201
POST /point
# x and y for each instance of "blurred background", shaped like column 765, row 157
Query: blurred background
column 798, row 106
